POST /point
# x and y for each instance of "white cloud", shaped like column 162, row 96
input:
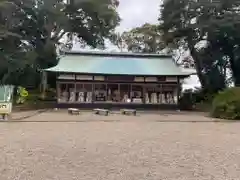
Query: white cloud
column 135, row 13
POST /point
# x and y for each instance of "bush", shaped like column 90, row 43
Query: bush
column 226, row 104
column 203, row 96
column 198, row 99
column 187, row 100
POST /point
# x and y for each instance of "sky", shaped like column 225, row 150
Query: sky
column 135, row 13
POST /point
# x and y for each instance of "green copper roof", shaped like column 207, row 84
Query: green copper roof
column 118, row 64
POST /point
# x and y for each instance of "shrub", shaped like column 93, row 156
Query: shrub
column 187, row 100
column 226, row 104
column 203, row 96
column 198, row 99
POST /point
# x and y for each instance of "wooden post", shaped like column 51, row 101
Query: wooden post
column 119, row 94
column 131, row 92
column 143, row 94
column 93, row 94
column 58, row 93
column 44, row 84
column 161, row 94
column 75, row 90
column 178, row 90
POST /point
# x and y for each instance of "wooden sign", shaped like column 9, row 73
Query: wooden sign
column 67, row 76
column 84, row 77
column 151, row 79
column 99, row 78
column 5, row 108
column 171, row 79
column 139, row 79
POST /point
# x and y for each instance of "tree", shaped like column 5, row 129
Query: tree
column 14, row 53
column 145, row 39
column 43, row 26
column 190, row 22
column 149, row 39
column 95, row 21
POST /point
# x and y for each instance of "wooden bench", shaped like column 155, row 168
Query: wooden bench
column 101, row 111
column 73, row 111
column 129, row 112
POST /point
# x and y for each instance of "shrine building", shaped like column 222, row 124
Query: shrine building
column 117, row 80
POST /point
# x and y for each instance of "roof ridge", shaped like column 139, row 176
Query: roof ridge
column 116, row 54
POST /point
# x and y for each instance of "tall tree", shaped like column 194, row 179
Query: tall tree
column 191, row 22
column 145, row 39
column 43, row 25
column 148, row 38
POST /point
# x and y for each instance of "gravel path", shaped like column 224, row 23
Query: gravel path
column 137, row 149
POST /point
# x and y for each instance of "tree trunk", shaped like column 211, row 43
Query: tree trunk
column 197, row 61
column 198, row 66
column 235, row 67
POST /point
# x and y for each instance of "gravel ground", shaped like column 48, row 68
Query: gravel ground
column 120, row 148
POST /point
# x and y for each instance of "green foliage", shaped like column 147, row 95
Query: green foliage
column 187, row 100
column 22, row 95
column 226, row 105
column 187, row 23
column 200, row 98
column 203, row 96
column 31, row 32
column 91, row 21
column 144, row 39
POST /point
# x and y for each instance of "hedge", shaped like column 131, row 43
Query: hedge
column 226, row 104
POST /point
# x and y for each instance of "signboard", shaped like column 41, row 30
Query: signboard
column 84, row 77
column 67, row 76
column 171, row 79
column 139, row 79
column 151, row 79
column 6, row 92
column 5, row 108
column 99, row 78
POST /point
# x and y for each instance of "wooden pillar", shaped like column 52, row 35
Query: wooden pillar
column 161, row 94
column 75, row 90
column 93, row 94
column 143, row 93
column 178, row 90
column 58, row 91
column 44, row 84
column 119, row 94
column 131, row 92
